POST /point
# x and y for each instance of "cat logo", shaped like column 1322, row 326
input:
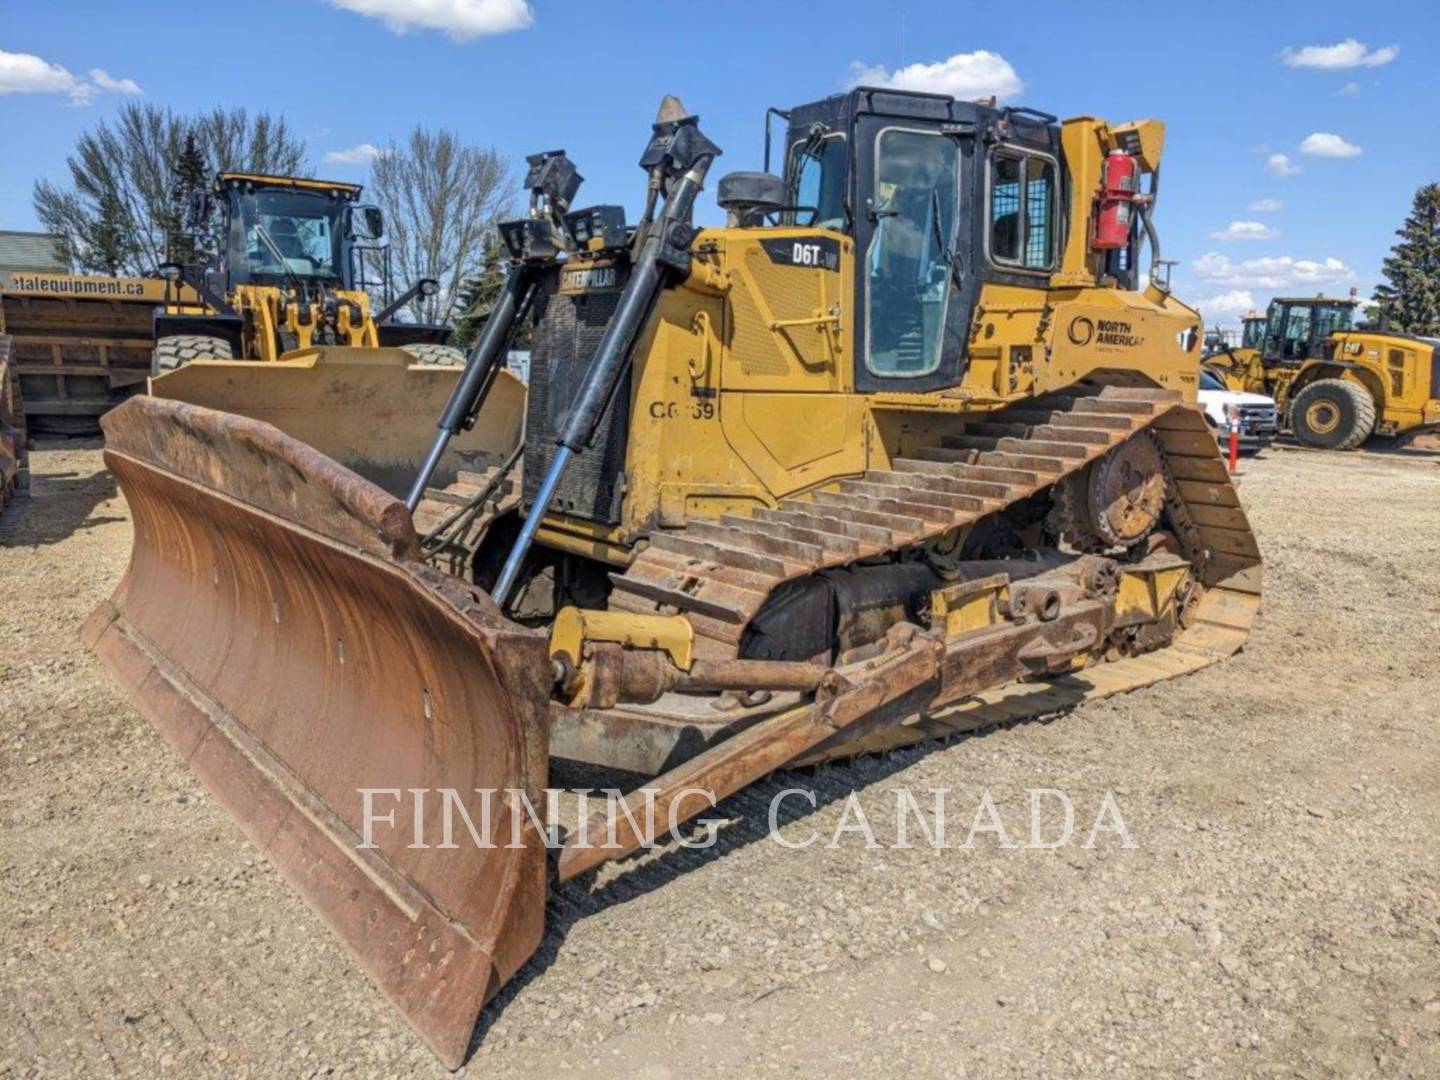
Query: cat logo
column 588, row 278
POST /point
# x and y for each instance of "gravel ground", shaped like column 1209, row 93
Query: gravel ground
column 1277, row 914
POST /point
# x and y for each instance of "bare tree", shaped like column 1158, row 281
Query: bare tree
column 123, row 210
column 231, row 140
column 440, row 198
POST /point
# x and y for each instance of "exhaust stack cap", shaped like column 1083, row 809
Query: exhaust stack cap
column 671, row 110
column 744, row 194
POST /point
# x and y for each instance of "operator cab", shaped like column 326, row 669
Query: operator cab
column 284, row 231
column 1252, row 331
column 940, row 197
column 1297, row 329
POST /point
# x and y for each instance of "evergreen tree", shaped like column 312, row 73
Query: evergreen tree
column 128, row 163
column 109, row 249
column 478, row 294
column 1410, row 296
column 191, row 242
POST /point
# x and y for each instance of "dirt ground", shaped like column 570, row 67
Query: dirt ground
column 1277, row 914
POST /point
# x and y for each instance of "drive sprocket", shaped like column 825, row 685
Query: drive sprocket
column 1117, row 501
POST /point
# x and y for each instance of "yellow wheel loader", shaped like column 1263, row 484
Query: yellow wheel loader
column 903, row 449
column 1334, row 385
column 281, row 329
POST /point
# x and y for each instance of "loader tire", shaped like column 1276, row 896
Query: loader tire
column 1333, row 414
column 174, row 352
column 439, row 355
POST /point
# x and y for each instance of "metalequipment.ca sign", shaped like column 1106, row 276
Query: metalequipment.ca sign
column 77, row 285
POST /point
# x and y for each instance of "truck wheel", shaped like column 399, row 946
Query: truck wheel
column 439, row 355
column 1334, row 414
column 178, row 350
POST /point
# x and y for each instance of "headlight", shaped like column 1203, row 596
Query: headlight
column 1232, row 412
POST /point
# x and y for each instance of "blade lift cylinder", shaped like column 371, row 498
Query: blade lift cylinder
column 677, row 159
column 533, row 242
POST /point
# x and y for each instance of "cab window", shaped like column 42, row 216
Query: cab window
column 1333, row 317
column 908, row 265
column 1287, row 331
column 818, row 175
column 1253, row 334
column 1022, row 210
column 287, row 233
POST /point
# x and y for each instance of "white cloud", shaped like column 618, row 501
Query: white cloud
column 1245, row 230
column 1227, row 305
column 965, row 76
column 24, row 73
column 1325, row 144
column 1347, row 54
column 1266, row 206
column 1281, row 165
column 1349, row 88
column 1271, row 272
column 104, row 81
column 462, row 20
column 359, row 154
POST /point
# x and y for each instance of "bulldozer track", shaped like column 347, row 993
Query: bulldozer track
column 457, row 525
column 720, row 573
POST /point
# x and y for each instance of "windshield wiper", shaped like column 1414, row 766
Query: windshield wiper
column 264, row 235
column 947, row 256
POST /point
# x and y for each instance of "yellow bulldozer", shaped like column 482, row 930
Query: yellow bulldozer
column 903, row 449
column 1334, row 384
column 280, row 328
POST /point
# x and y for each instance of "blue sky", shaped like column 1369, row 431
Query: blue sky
column 1348, row 93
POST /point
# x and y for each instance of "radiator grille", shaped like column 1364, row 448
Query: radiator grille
column 568, row 330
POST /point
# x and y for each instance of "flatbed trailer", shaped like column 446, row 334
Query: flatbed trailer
column 80, row 344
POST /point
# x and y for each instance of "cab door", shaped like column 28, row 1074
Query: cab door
column 913, row 287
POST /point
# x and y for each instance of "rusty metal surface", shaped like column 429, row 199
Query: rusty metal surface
column 1127, row 491
column 275, row 625
column 847, row 696
column 454, row 519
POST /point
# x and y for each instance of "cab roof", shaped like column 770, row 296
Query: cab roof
column 1315, row 300
column 301, row 183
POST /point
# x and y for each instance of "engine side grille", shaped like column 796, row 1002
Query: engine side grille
column 568, row 330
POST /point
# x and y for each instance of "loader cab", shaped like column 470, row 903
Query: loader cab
column 1296, row 329
column 940, row 197
column 1252, row 332
column 283, row 230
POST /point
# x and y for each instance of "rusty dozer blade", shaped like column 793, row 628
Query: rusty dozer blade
column 276, row 624
column 372, row 410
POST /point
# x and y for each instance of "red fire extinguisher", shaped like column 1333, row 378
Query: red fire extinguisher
column 1114, row 202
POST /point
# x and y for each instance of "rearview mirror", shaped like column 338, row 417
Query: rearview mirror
column 374, row 222
column 198, row 209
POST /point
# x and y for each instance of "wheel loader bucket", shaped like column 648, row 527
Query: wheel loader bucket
column 372, row 410
column 276, row 624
